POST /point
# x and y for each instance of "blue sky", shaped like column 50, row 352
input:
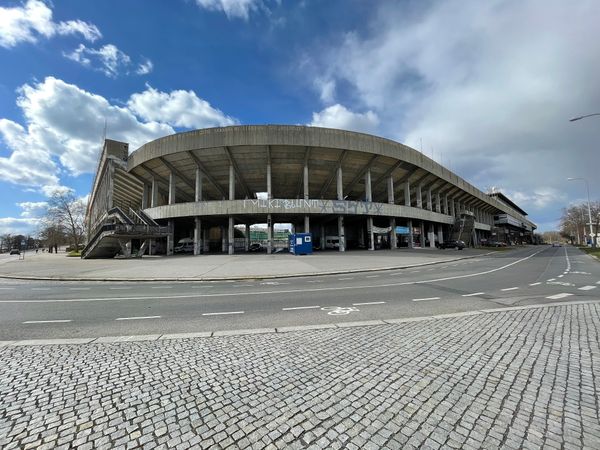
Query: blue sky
column 484, row 87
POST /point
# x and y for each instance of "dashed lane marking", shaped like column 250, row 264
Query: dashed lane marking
column 560, row 276
column 223, row 313
column 587, row 288
column 315, row 281
column 162, row 287
column 138, row 318
column 561, row 295
column 79, row 289
column 535, row 284
column 425, row 299
column 510, row 289
column 299, row 307
column 551, row 279
column 7, row 288
column 119, row 288
column 473, row 294
column 40, row 289
column 372, row 276
column 347, row 278
column 48, row 321
column 368, row 303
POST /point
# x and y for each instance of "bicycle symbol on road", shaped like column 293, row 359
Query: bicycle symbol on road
column 339, row 310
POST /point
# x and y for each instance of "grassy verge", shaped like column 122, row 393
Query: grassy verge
column 74, row 253
column 591, row 251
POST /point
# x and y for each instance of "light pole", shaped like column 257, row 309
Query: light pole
column 583, row 117
column 592, row 235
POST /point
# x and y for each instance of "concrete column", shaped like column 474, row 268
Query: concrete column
column 422, row 235
column 269, row 187
column 390, row 190
column 269, row 234
column 231, row 236
column 440, row 233
column 305, row 184
column 247, row 239
column 231, row 182
column 431, row 236
column 154, row 193
column 411, row 241
column 341, row 233
column 368, row 192
column 438, row 203
column 198, row 191
column 419, row 197
column 223, row 239
column 452, row 208
column 407, row 194
column 371, row 237
column 171, row 188
column 446, row 210
column 205, row 243
column 322, row 237
column 429, row 205
column 306, row 224
column 393, row 236
column 197, row 236
column 144, row 204
column 340, row 184
column 170, row 238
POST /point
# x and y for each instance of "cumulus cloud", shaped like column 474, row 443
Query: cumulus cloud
column 29, row 22
column 239, row 9
column 33, row 209
column 14, row 225
column 490, row 85
column 338, row 116
column 145, row 67
column 177, row 108
column 108, row 59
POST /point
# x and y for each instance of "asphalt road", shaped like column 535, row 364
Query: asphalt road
column 533, row 275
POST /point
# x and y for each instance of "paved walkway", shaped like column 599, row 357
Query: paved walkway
column 207, row 267
column 514, row 379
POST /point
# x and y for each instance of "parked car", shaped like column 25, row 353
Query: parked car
column 495, row 244
column 457, row 244
column 15, row 251
column 556, row 244
column 255, row 247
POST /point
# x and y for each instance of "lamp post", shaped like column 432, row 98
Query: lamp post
column 589, row 208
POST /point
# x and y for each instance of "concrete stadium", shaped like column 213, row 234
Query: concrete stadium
column 350, row 190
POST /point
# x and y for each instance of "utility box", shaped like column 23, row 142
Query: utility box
column 301, row 243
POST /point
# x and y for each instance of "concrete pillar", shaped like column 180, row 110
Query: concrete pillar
column 322, row 240
column 407, row 194
column 429, row 205
column 231, row 236
column 269, row 186
column 438, row 203
column 368, row 192
column 452, row 208
column 411, row 241
column 431, row 236
column 205, row 243
column 370, row 235
column 393, row 236
column 269, row 234
column 306, row 224
column 231, row 182
column 171, row 188
column 419, row 197
column 144, row 204
column 305, row 184
column 440, row 233
column 198, row 191
column 170, row 238
column 197, row 236
column 422, row 234
column 154, row 193
column 340, row 184
column 390, row 190
column 446, row 210
column 247, row 237
column 341, row 233
column 223, row 239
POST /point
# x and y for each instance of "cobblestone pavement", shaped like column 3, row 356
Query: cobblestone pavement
column 517, row 379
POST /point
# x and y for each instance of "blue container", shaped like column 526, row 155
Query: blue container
column 301, row 243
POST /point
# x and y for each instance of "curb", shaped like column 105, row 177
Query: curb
column 280, row 330
column 239, row 278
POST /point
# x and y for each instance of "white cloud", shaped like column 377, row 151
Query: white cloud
column 33, row 209
column 26, row 23
column 338, row 116
column 145, row 67
column 239, row 9
column 13, row 225
column 108, row 59
column 177, row 108
column 491, row 85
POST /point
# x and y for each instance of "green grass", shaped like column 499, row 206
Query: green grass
column 591, row 251
column 74, row 253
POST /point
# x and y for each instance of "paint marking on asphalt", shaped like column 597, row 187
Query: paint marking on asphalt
column 425, row 299
column 560, row 276
column 48, row 321
column 162, row 287
column 347, row 278
column 138, row 318
column 40, row 289
column 587, row 288
column 7, row 288
column 368, row 303
column 226, row 312
column 561, row 295
column 315, row 281
column 79, row 289
column 299, row 307
column 551, row 279
column 509, row 289
column 372, row 276
column 414, row 271
column 473, row 294
column 535, row 284
column 597, row 282
column 120, row 288
column 276, row 292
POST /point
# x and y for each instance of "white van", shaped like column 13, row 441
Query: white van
column 332, row 242
column 185, row 245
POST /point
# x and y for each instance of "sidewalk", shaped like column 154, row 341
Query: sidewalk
column 44, row 266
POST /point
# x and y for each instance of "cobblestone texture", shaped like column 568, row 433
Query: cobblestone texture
column 519, row 379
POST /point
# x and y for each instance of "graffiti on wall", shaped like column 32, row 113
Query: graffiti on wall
column 324, row 206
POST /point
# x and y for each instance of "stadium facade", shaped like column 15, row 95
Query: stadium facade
column 350, row 190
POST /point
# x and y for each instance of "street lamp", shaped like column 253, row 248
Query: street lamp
column 589, row 209
column 583, row 117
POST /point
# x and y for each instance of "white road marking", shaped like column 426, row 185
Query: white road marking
column 597, row 282
column 368, row 303
column 510, row 289
column 241, row 285
column 535, row 284
column 315, row 281
column 587, row 288
column 40, row 289
column 120, row 288
column 473, row 294
column 278, row 292
column 48, row 321
column 299, row 307
column 372, row 276
column 425, row 299
column 560, row 276
column 162, row 287
column 557, row 296
column 551, row 279
column 347, row 278
column 79, row 289
column 219, row 313
column 138, row 318
column 414, row 271
column 6, row 288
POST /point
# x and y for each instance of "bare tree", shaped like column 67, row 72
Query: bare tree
column 574, row 222
column 66, row 215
